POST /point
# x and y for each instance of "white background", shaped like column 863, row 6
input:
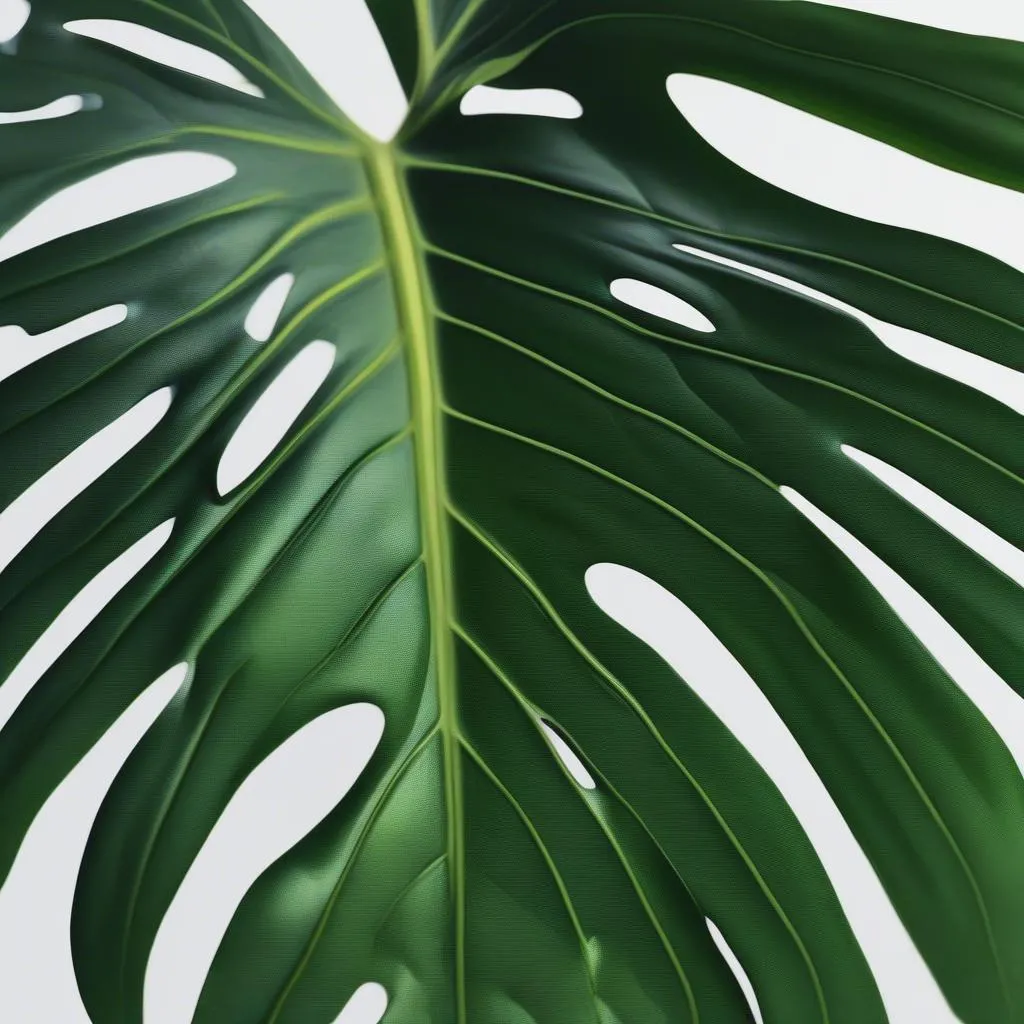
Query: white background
column 298, row 784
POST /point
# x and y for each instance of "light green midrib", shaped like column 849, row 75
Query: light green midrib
column 417, row 325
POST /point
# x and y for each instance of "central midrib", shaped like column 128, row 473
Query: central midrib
column 417, row 324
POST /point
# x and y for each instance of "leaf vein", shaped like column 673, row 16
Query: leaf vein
column 808, row 635
column 502, row 677
column 731, row 357
column 615, row 686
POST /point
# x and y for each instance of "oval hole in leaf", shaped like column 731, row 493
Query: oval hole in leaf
column 36, row 899
column 267, row 422
column 736, row 967
column 280, row 801
column 651, row 299
column 57, row 108
column 14, row 15
column 994, row 698
column 116, row 192
column 490, row 99
column 164, row 49
column 670, row 628
column 994, row 379
column 39, row 503
column 1001, row 553
column 837, row 167
column 573, row 765
column 19, row 349
column 76, row 615
column 266, row 310
column 368, row 1004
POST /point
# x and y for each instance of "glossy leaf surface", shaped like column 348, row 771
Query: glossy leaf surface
column 494, row 423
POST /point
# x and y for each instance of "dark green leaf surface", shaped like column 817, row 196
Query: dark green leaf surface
column 495, row 423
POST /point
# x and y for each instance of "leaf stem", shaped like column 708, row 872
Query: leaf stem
column 415, row 303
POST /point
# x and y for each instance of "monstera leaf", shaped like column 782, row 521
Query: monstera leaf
column 490, row 422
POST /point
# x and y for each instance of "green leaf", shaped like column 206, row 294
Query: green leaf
column 494, row 423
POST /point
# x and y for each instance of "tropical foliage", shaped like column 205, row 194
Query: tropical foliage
column 491, row 423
